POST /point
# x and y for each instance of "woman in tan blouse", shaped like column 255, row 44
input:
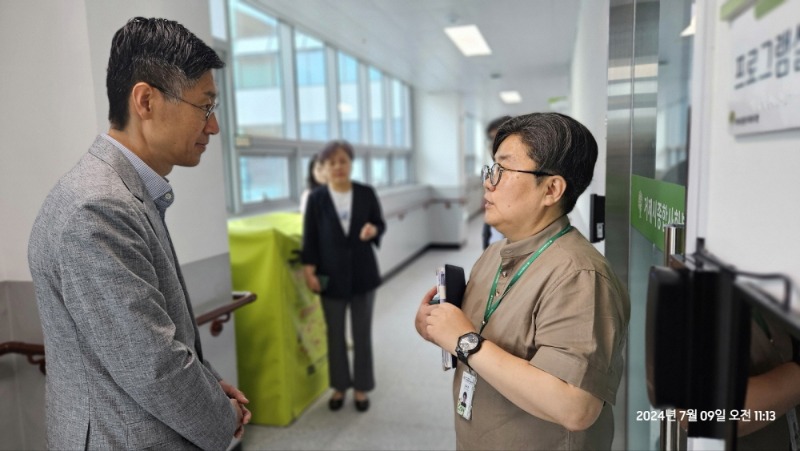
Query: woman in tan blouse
column 550, row 314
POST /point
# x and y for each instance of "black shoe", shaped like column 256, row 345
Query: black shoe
column 362, row 406
column 335, row 404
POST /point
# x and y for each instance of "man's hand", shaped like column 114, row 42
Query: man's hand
column 238, row 400
column 239, row 417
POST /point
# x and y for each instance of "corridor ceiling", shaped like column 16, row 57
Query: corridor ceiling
column 532, row 43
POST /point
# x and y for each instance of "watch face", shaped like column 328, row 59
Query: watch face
column 468, row 342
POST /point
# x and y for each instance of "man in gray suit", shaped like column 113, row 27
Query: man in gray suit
column 124, row 364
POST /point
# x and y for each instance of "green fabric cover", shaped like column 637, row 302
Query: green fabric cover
column 280, row 338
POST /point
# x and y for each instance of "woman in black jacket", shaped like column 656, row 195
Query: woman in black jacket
column 342, row 222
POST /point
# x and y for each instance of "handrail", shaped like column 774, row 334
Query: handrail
column 222, row 314
column 34, row 352
column 447, row 201
column 217, row 317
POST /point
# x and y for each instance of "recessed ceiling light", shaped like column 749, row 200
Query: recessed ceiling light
column 510, row 96
column 469, row 40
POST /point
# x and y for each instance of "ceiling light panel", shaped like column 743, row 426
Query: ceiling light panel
column 510, row 96
column 469, row 40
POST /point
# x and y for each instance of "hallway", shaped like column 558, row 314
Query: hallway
column 411, row 405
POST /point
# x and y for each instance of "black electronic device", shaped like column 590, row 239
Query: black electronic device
column 697, row 341
column 455, row 284
column 451, row 285
column 666, row 337
column 597, row 218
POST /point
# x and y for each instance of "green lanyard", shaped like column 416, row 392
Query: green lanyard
column 491, row 306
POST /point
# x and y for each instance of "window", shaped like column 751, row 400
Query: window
column 380, row 171
column 312, row 95
column 400, row 170
column 400, row 107
column 349, row 99
column 257, row 72
column 357, row 173
column 264, row 177
column 285, row 92
column 376, row 113
column 219, row 25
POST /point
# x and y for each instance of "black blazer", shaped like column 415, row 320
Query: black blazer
column 349, row 263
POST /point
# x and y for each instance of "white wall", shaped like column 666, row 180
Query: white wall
column 746, row 192
column 588, row 99
column 49, row 113
column 440, row 142
column 197, row 219
column 440, row 158
column 55, row 103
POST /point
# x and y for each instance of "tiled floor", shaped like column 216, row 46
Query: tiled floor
column 411, row 407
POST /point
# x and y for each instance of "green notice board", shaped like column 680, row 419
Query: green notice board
column 655, row 204
column 280, row 338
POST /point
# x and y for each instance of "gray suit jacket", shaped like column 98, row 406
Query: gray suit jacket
column 124, row 364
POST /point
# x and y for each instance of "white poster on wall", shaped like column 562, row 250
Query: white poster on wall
column 765, row 94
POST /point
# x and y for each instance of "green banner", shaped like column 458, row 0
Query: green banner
column 282, row 349
column 655, row 204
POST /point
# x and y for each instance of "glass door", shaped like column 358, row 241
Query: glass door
column 650, row 49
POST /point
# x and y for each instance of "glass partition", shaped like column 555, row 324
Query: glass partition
column 400, row 173
column 312, row 88
column 400, row 107
column 264, row 177
column 257, row 82
column 349, row 98
column 376, row 109
column 379, row 170
column 358, row 173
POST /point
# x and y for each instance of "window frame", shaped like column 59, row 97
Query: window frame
column 291, row 145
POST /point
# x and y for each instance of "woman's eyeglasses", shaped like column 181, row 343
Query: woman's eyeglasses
column 494, row 172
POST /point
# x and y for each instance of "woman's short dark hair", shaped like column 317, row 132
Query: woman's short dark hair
column 558, row 144
column 327, row 152
column 160, row 52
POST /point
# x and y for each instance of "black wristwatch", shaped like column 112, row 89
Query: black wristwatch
column 468, row 344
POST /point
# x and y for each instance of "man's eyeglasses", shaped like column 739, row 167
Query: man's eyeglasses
column 207, row 109
column 493, row 173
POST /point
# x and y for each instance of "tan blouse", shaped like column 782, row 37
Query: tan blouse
column 568, row 315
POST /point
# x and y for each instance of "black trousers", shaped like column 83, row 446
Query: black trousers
column 361, row 307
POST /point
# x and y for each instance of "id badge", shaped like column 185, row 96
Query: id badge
column 794, row 428
column 464, row 402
